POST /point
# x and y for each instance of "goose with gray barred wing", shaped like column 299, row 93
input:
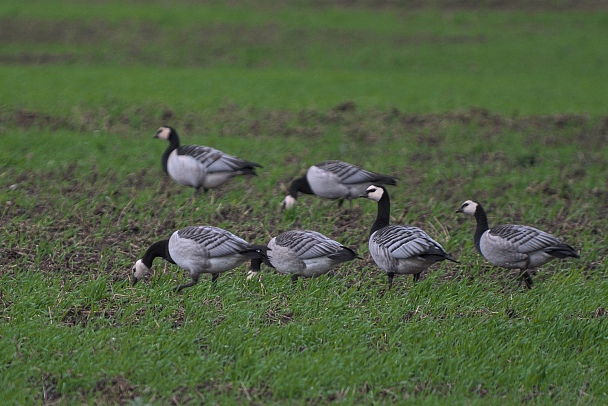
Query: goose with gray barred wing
column 400, row 250
column 514, row 246
column 200, row 167
column 334, row 180
column 199, row 250
column 306, row 253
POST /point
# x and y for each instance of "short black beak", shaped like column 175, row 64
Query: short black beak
column 364, row 194
column 133, row 280
column 459, row 210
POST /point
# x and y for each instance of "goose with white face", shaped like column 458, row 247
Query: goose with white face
column 397, row 249
column 335, row 180
column 200, row 167
column 200, row 250
column 514, row 246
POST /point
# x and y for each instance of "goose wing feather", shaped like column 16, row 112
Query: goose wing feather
column 215, row 160
column 308, row 244
column 218, row 242
column 524, row 239
column 402, row 242
column 351, row 174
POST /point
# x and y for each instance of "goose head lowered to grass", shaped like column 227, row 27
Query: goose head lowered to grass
column 334, row 180
column 199, row 250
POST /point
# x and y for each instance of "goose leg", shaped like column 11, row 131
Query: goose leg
column 525, row 277
column 350, row 207
column 197, row 192
column 390, row 279
column 187, row 285
column 417, row 277
column 294, row 278
column 214, row 277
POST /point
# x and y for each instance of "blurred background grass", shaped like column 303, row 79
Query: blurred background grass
column 192, row 56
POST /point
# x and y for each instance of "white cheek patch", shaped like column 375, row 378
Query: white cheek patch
column 140, row 270
column 288, row 203
column 470, row 208
column 163, row 133
column 376, row 195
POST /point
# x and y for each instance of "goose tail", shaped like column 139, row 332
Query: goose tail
column 344, row 255
column 562, row 251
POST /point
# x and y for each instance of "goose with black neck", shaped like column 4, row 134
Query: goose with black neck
column 334, row 180
column 199, row 250
column 198, row 166
column 514, row 246
column 398, row 249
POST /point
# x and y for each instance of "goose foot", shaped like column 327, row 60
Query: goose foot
column 525, row 277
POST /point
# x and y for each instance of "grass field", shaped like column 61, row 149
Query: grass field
column 61, row 54
column 506, row 106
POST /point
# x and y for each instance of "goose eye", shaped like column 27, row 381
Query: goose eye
column 465, row 204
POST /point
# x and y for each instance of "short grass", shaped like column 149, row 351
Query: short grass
column 61, row 54
column 79, row 207
column 500, row 105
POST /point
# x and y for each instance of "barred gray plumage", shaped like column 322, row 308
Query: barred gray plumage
column 198, row 250
column 198, row 166
column 306, row 253
column 351, row 174
column 334, row 180
column 514, row 246
column 400, row 249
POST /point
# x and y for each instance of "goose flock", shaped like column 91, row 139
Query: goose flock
column 396, row 249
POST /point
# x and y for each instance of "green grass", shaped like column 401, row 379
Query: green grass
column 82, row 196
column 78, row 332
column 61, row 54
column 199, row 89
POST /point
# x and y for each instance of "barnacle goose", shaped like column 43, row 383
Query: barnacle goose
column 400, row 249
column 334, row 180
column 198, row 250
column 197, row 166
column 306, row 253
column 514, row 246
